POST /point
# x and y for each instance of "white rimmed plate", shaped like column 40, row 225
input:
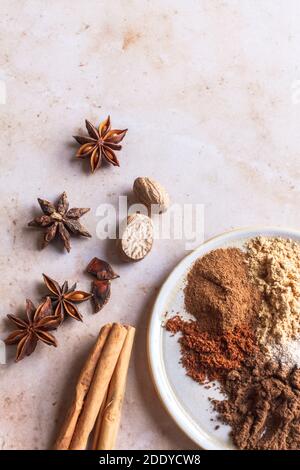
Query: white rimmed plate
column 185, row 400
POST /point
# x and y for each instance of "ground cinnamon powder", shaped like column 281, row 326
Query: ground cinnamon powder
column 225, row 303
column 219, row 292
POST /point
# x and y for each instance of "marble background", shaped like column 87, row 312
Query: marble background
column 209, row 92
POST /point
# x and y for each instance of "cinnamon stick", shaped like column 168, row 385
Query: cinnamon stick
column 95, row 396
column 112, row 411
column 66, row 433
column 97, row 427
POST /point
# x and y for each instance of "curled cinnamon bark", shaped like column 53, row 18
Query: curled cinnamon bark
column 66, row 433
column 111, row 414
column 95, row 396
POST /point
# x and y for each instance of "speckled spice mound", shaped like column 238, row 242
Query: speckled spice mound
column 274, row 265
column 219, row 292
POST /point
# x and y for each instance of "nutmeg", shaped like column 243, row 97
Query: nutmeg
column 149, row 192
column 136, row 239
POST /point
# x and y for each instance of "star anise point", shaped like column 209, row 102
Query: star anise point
column 101, row 287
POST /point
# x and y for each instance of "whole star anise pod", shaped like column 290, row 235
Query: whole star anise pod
column 60, row 220
column 100, row 144
column 39, row 321
column 101, row 286
column 63, row 298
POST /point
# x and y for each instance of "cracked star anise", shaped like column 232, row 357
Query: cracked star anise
column 101, row 286
column 36, row 326
column 63, row 298
column 60, row 220
column 100, row 144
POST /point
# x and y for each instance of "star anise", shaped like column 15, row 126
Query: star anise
column 63, row 298
column 100, row 144
column 60, row 220
column 101, row 286
column 35, row 327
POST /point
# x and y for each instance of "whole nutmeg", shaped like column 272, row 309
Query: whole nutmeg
column 150, row 192
column 136, row 239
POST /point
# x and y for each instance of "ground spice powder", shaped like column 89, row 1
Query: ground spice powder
column 219, row 292
column 263, row 406
column 208, row 357
column 262, row 403
column 274, row 265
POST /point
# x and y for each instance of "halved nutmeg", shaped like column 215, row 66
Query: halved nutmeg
column 136, row 238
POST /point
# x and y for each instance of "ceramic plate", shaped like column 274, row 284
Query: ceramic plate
column 185, row 400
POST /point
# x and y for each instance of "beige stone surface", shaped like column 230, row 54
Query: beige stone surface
column 208, row 90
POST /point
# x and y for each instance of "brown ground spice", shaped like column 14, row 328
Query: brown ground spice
column 263, row 406
column 263, row 398
column 219, row 292
column 206, row 357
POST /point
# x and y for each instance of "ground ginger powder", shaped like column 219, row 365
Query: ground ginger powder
column 274, row 265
